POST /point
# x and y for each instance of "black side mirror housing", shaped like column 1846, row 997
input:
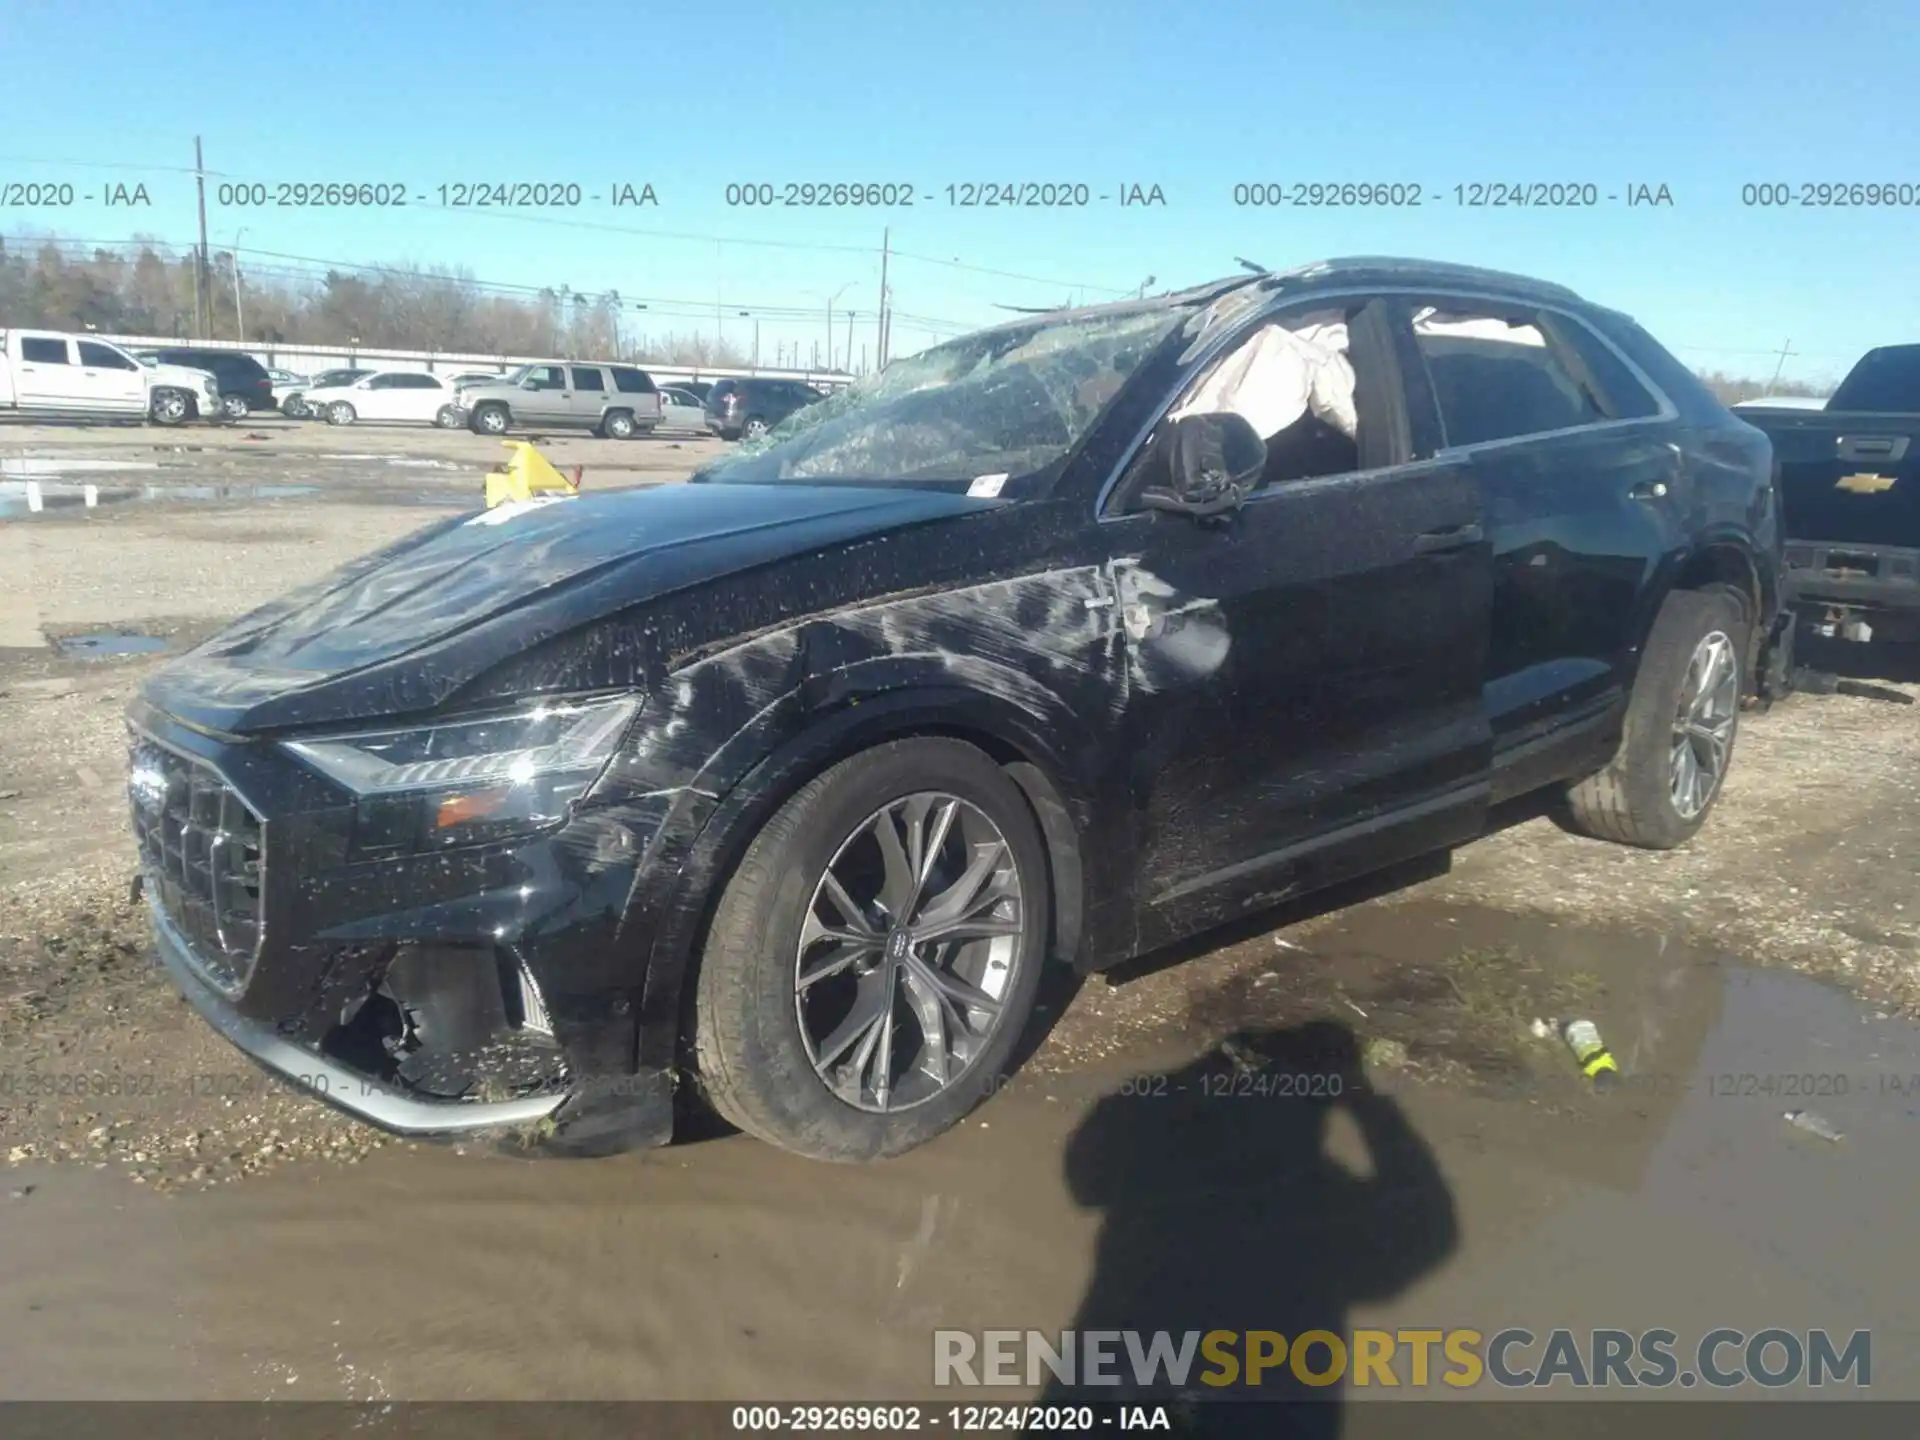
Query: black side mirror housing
column 1213, row 463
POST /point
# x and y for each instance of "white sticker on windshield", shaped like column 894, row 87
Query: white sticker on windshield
column 502, row 513
column 985, row 487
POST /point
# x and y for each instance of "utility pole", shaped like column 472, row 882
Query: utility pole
column 1785, row 351
column 200, row 276
column 880, row 332
column 239, row 316
column 849, row 364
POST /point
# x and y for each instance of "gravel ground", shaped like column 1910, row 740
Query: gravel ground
column 1807, row 862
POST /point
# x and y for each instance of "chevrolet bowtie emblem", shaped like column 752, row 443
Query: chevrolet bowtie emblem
column 1865, row 483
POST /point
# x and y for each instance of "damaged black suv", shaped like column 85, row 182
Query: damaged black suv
column 1050, row 645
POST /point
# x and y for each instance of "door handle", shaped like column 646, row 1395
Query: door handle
column 1649, row 490
column 1455, row 537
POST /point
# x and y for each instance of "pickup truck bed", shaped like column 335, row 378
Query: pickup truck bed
column 1849, row 480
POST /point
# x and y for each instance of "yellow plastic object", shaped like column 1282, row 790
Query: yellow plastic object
column 527, row 473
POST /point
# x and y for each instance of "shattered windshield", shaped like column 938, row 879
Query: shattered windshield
column 1010, row 401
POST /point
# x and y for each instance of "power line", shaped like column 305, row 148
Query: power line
column 567, row 222
column 662, row 307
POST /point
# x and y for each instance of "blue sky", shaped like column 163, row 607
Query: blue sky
column 1702, row 97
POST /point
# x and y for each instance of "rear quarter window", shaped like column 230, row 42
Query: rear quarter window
column 629, row 381
column 1680, row 385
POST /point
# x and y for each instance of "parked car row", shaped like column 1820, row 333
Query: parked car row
column 54, row 373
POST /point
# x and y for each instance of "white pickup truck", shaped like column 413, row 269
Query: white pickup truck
column 45, row 372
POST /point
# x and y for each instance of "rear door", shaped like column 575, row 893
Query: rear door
column 1305, row 696
column 1582, row 482
column 113, row 377
column 418, row 397
column 591, row 394
column 44, row 374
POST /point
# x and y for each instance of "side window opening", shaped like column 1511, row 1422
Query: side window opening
column 1497, row 377
column 1293, row 380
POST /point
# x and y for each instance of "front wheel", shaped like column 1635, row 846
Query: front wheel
column 340, row 413
column 1682, row 720
column 873, row 959
column 171, row 407
column 489, row 420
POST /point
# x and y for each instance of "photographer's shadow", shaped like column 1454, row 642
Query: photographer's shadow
column 1224, row 1211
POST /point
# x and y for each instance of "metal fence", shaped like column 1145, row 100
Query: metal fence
column 308, row 359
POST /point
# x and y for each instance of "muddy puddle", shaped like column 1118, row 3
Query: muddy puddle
column 1473, row 1180
column 109, row 645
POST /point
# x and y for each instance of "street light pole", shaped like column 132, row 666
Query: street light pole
column 749, row 315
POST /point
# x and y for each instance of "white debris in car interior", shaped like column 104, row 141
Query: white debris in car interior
column 1277, row 376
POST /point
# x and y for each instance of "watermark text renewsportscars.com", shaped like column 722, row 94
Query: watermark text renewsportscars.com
column 1457, row 1359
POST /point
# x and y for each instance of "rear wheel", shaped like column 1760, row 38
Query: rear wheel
column 340, row 413
column 489, row 420
column 447, row 418
column 873, row 960
column 754, row 428
column 234, row 407
column 618, row 425
column 1680, row 728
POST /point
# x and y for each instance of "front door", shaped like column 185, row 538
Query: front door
column 545, row 396
column 113, row 378
column 1304, row 696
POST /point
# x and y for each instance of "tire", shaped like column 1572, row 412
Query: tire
column 489, row 420
column 755, row 1036
column 618, row 425
column 447, row 418
column 1634, row 800
column 340, row 413
column 171, row 407
column 754, row 428
column 234, row 407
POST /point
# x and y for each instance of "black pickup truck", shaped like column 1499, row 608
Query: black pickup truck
column 1849, row 478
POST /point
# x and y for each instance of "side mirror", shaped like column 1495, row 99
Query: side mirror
column 1213, row 462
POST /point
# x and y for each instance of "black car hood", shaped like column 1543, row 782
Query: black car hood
column 399, row 631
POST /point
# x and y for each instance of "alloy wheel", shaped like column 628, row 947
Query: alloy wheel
column 1703, row 725
column 911, row 944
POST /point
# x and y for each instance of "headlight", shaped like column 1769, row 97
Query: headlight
column 467, row 781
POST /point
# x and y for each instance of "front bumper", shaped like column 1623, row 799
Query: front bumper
column 486, row 989
column 308, row 1070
